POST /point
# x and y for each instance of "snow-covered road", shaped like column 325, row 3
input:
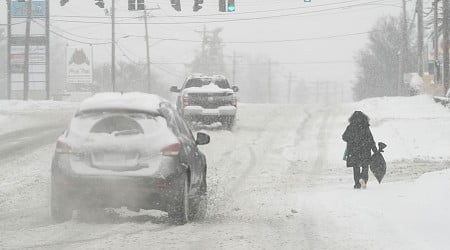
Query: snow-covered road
column 276, row 182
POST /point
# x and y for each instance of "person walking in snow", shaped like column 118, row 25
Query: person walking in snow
column 359, row 144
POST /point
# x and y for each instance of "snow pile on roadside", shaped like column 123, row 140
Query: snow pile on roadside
column 18, row 106
column 16, row 114
column 397, row 215
column 414, row 128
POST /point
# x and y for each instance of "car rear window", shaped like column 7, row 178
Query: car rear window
column 200, row 82
column 117, row 123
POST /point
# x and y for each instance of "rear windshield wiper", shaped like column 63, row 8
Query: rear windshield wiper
column 126, row 132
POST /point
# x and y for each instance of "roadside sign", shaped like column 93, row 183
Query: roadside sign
column 79, row 66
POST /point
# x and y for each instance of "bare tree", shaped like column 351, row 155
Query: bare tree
column 378, row 63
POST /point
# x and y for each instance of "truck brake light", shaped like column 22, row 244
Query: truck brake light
column 186, row 100
column 234, row 100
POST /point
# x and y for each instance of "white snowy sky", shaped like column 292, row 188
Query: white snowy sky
column 329, row 18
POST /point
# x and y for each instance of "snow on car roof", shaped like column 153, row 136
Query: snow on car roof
column 122, row 101
column 210, row 88
column 200, row 75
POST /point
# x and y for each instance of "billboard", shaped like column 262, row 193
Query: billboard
column 19, row 9
column 79, row 66
column 38, row 63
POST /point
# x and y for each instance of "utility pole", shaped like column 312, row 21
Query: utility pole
column 436, row 43
column 317, row 92
column 269, row 82
column 8, row 52
column 234, row 67
column 47, row 51
column 419, row 10
column 404, row 50
column 148, row 52
column 204, row 42
column 113, row 46
column 289, row 87
column 446, row 44
column 26, row 63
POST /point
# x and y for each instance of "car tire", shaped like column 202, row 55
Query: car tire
column 200, row 207
column 179, row 210
column 228, row 122
column 60, row 209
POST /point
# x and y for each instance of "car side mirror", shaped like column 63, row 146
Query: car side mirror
column 175, row 89
column 235, row 88
column 202, row 139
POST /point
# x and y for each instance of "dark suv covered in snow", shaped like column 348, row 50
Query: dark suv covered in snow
column 207, row 99
column 131, row 150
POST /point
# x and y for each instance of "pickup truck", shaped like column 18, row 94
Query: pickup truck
column 207, row 99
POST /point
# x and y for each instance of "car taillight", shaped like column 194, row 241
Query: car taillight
column 171, row 150
column 62, row 147
column 234, row 100
column 186, row 100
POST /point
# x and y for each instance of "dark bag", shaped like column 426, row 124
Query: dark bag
column 345, row 155
column 377, row 163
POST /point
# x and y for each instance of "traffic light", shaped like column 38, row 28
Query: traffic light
column 176, row 4
column 197, row 5
column 223, row 5
column 63, row 2
column 136, row 5
column 231, row 6
column 100, row 3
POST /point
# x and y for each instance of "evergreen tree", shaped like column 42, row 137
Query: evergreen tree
column 210, row 59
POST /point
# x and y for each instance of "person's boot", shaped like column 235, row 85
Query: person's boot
column 357, row 186
column 362, row 183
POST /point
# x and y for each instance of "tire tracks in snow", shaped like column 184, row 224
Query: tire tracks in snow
column 314, row 221
column 235, row 195
column 234, row 185
column 309, row 225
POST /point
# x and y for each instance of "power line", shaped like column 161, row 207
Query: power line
column 264, row 63
column 71, row 39
column 170, row 72
column 272, row 41
column 225, row 42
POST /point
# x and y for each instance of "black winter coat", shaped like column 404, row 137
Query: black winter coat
column 359, row 144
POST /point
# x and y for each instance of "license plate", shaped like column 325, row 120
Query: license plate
column 210, row 112
column 115, row 157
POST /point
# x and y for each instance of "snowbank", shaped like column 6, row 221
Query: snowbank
column 398, row 215
column 18, row 106
column 414, row 128
column 16, row 115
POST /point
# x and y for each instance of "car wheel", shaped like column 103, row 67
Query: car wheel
column 228, row 122
column 198, row 211
column 59, row 208
column 179, row 211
